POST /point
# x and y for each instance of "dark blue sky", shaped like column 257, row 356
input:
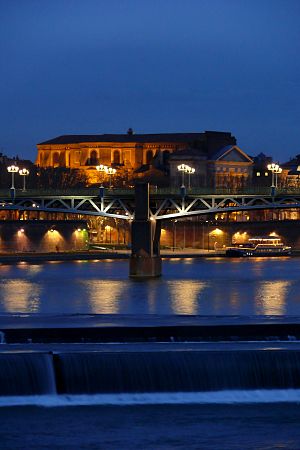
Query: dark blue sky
column 101, row 66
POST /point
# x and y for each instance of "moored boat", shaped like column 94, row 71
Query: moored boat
column 260, row 246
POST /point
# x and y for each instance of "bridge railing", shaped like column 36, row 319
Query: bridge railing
column 253, row 190
column 94, row 192
column 79, row 192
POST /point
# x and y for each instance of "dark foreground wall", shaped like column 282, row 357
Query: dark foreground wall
column 43, row 236
column 216, row 234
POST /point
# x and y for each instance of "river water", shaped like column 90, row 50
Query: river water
column 204, row 286
column 241, row 420
column 163, row 427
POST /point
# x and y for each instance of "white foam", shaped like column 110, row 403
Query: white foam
column 159, row 398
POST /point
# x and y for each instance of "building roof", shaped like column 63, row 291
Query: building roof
column 187, row 153
column 292, row 163
column 224, row 150
column 140, row 138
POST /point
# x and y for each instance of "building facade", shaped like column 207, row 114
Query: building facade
column 227, row 167
column 132, row 153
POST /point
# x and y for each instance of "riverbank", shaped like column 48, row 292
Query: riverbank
column 94, row 255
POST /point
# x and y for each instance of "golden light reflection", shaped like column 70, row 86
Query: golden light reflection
column 184, row 295
column 240, row 238
column 20, row 296
column 53, row 240
column 152, row 301
column 216, row 232
column 104, row 296
column 33, row 269
column 270, row 297
column 22, row 241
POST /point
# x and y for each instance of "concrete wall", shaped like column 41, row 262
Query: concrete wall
column 43, row 236
column 214, row 234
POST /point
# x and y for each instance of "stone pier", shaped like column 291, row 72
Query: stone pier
column 145, row 260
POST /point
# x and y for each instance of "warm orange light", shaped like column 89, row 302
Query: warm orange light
column 216, row 231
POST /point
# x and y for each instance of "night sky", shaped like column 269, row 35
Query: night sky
column 102, row 66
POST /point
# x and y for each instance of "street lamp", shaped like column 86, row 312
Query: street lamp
column 273, row 168
column 13, row 169
column 278, row 171
column 111, row 171
column 190, row 171
column 183, row 168
column 174, row 234
column 24, row 173
column 101, row 168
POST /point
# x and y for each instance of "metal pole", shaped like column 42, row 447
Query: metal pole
column 207, row 237
column 194, row 234
column 12, row 180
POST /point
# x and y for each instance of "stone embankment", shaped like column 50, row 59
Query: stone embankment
column 33, row 257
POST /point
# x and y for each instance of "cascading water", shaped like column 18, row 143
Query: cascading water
column 26, row 374
column 176, row 376
column 176, row 371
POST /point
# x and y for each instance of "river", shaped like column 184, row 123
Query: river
column 203, row 286
column 227, row 420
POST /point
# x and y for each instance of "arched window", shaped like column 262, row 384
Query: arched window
column 166, row 156
column 55, row 159
column 93, row 158
column 149, row 156
column 117, row 157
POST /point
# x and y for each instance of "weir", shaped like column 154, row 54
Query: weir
column 27, row 374
column 114, row 371
column 145, row 260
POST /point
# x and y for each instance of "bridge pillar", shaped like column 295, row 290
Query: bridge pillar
column 145, row 260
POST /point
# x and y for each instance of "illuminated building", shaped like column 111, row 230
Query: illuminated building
column 135, row 154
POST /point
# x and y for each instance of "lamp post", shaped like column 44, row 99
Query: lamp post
column 174, row 234
column 273, row 168
column 190, row 171
column 13, row 169
column 207, row 235
column 277, row 172
column 183, row 168
column 101, row 168
column 24, row 173
column 111, row 171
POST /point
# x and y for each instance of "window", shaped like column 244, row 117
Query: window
column 55, row 159
column 93, row 158
column 77, row 157
column 258, row 174
column 117, row 157
column 266, row 174
column 149, row 156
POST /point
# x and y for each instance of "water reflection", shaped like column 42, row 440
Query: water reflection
column 270, row 297
column 104, row 296
column 20, row 296
column 203, row 286
column 184, row 295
